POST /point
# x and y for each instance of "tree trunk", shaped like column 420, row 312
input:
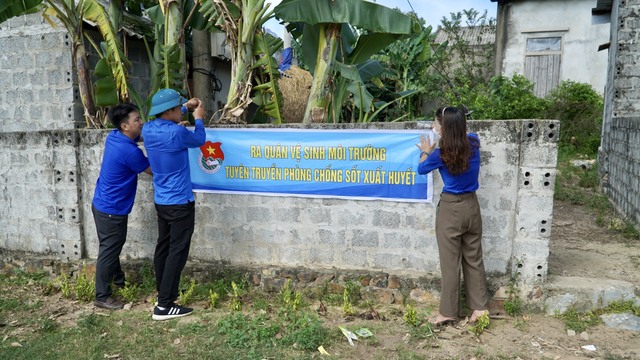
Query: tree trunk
column 203, row 62
column 174, row 34
column 84, row 84
column 320, row 95
column 239, row 96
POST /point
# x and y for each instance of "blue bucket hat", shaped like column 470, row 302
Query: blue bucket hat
column 164, row 100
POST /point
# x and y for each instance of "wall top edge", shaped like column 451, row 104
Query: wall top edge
column 412, row 125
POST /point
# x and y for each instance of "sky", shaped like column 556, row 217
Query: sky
column 431, row 10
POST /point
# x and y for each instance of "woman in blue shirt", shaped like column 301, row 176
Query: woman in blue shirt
column 458, row 220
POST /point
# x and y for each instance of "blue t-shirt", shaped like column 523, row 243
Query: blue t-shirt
column 167, row 145
column 121, row 163
column 456, row 184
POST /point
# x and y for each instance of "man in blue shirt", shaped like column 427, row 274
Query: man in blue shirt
column 113, row 198
column 167, row 141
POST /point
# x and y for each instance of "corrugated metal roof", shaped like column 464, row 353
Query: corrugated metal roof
column 474, row 35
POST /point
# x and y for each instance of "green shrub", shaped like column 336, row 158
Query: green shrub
column 502, row 98
column 579, row 108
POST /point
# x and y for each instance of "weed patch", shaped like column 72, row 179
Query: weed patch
column 579, row 322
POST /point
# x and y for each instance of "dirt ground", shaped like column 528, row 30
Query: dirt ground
column 578, row 247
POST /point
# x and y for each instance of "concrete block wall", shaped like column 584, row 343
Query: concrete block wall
column 37, row 77
column 142, row 230
column 49, row 179
column 619, row 153
column 39, row 178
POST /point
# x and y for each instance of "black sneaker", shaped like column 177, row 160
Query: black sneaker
column 171, row 312
column 110, row 303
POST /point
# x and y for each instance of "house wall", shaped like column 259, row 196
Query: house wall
column 619, row 153
column 570, row 19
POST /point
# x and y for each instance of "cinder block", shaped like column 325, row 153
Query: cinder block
column 260, row 254
column 530, row 269
column 319, row 216
column 274, row 237
column 353, row 259
column 363, row 238
column 538, row 179
column 395, row 240
column 387, row 219
column 286, row 215
column 242, row 234
column 383, row 261
column 351, row 217
column 259, row 214
column 290, row 256
column 322, row 256
column 330, row 237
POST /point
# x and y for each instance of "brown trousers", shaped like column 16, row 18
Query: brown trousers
column 459, row 234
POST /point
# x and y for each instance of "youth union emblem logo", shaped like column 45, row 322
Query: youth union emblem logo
column 211, row 157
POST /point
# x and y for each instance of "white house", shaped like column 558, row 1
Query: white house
column 549, row 41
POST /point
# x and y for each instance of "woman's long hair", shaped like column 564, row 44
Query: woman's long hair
column 455, row 147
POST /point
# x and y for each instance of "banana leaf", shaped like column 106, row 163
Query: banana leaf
column 169, row 68
column 93, row 11
column 13, row 8
column 359, row 13
column 355, row 85
column 381, row 105
column 268, row 95
column 106, row 92
column 195, row 16
column 214, row 19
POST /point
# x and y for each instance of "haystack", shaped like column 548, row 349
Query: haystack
column 295, row 86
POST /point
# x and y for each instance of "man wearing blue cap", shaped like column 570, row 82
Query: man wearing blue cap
column 167, row 141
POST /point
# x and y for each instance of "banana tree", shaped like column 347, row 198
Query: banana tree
column 321, row 25
column 173, row 20
column 251, row 53
column 71, row 14
column 407, row 62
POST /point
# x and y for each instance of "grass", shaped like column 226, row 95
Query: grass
column 39, row 324
column 581, row 187
column 272, row 328
column 581, row 321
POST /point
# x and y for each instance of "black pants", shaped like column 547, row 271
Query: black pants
column 175, row 227
column 112, row 233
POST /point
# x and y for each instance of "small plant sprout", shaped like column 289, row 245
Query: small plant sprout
column 214, row 298
column 236, row 303
column 85, row 286
column 186, row 297
column 65, row 285
column 481, row 324
column 411, row 315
